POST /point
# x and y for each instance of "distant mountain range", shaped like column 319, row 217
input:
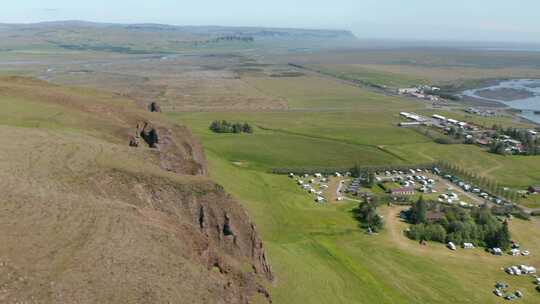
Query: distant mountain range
column 150, row 38
column 260, row 32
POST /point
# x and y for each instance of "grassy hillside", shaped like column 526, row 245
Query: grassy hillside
column 88, row 219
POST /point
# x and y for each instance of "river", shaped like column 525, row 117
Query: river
column 528, row 105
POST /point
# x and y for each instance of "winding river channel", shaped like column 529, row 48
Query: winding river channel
column 526, row 96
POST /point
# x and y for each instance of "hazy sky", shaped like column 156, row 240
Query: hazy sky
column 495, row 20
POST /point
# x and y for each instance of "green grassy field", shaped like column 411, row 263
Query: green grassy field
column 329, row 138
column 512, row 171
column 340, row 139
column 318, row 252
column 320, row 255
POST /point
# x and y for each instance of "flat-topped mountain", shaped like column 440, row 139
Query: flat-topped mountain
column 156, row 38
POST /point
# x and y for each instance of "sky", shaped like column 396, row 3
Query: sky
column 455, row 20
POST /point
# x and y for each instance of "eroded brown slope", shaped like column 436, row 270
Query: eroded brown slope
column 86, row 219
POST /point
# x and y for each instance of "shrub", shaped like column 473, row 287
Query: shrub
column 227, row 127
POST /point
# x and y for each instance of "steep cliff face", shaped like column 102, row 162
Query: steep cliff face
column 214, row 228
column 94, row 217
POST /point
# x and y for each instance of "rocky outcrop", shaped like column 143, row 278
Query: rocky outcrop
column 149, row 134
column 134, row 141
column 154, row 107
column 179, row 154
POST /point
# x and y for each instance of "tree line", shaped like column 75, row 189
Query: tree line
column 488, row 185
column 458, row 225
column 229, row 127
column 234, row 38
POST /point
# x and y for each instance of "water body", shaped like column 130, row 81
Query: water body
column 528, row 105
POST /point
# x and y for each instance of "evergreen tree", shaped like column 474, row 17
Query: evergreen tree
column 247, row 128
column 367, row 215
column 418, row 212
column 504, row 239
column 215, row 126
column 237, row 128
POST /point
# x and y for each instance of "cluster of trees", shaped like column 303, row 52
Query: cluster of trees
column 228, row 127
column 482, row 182
column 366, row 213
column 478, row 226
column 436, row 136
column 498, row 147
column 531, row 143
column 460, row 135
column 234, row 38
